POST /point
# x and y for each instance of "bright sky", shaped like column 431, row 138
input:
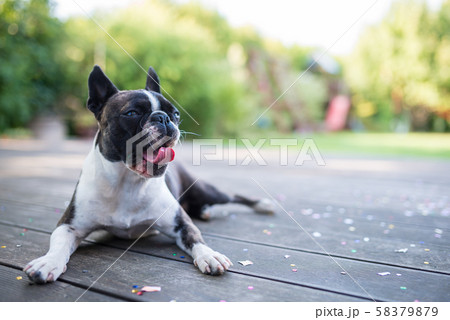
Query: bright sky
column 321, row 23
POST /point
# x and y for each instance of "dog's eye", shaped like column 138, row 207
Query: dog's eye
column 131, row 113
column 176, row 114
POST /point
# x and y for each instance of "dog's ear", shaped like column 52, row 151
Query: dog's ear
column 100, row 90
column 152, row 81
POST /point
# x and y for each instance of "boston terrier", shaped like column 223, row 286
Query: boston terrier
column 126, row 185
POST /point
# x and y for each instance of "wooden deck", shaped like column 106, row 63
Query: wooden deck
column 353, row 215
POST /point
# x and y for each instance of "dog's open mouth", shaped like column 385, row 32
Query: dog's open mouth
column 159, row 156
column 153, row 161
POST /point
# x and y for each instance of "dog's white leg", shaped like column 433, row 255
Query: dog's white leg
column 188, row 237
column 63, row 242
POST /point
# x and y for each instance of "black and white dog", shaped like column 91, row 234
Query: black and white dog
column 126, row 190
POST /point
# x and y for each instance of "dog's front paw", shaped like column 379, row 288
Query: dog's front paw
column 212, row 262
column 45, row 269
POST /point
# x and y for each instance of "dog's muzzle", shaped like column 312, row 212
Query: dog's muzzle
column 152, row 148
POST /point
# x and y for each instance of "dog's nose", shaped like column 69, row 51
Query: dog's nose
column 161, row 117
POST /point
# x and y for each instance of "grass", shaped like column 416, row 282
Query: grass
column 429, row 145
column 436, row 145
column 16, row 133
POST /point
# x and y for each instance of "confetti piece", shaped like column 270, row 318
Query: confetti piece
column 384, row 273
column 182, row 257
column 245, row 249
column 343, row 243
column 343, row 273
column 174, row 254
column 222, row 300
column 250, row 287
column 271, row 225
column 294, row 270
column 351, row 229
column 366, row 239
column 286, row 256
column 404, row 250
column 408, row 213
column 135, row 286
column 398, row 274
column 341, row 210
column 150, row 289
column 438, row 231
column 391, row 226
column 403, row 288
column 357, row 241
column 139, row 293
column 245, row 262
column 18, row 245
column 426, row 262
column 348, row 221
column 19, row 278
column 317, row 234
column 412, row 245
column 22, row 234
column 426, row 250
column 3, row 247
column 292, row 265
column 86, row 271
column 30, row 220
column 134, row 291
column 354, row 251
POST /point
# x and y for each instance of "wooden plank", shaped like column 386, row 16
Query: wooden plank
column 57, row 192
column 14, row 290
column 360, row 192
column 179, row 280
column 335, row 238
column 315, row 271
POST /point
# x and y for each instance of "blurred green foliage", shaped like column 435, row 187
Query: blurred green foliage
column 30, row 77
column 221, row 77
column 400, row 70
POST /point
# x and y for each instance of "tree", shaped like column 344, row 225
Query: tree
column 30, row 77
column 395, row 69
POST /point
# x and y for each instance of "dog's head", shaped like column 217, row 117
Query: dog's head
column 137, row 127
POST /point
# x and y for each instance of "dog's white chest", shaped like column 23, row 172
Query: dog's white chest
column 120, row 202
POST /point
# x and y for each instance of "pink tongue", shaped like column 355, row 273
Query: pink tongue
column 165, row 155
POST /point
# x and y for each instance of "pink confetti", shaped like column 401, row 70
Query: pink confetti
column 250, row 287
column 150, row 289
